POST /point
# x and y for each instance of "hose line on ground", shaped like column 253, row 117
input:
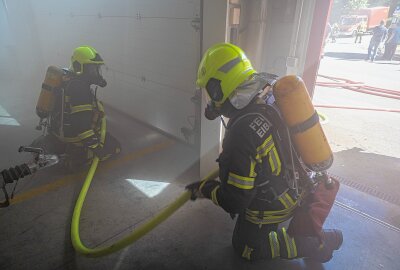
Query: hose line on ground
column 133, row 236
column 358, row 87
column 356, row 108
column 129, row 239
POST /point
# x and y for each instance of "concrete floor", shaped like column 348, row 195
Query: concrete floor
column 365, row 143
column 34, row 231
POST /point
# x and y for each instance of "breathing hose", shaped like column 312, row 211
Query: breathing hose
column 133, row 236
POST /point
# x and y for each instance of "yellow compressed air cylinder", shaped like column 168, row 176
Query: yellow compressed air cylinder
column 294, row 102
column 46, row 101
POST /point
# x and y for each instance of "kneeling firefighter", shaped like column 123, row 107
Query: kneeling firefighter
column 262, row 180
column 69, row 109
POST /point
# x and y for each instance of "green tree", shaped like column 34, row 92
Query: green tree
column 379, row 3
column 355, row 4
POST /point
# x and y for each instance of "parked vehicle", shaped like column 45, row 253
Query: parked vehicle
column 362, row 20
column 349, row 25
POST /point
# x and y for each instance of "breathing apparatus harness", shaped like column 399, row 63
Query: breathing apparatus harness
column 298, row 177
column 52, row 101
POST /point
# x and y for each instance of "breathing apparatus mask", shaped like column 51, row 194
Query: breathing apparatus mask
column 214, row 93
column 93, row 73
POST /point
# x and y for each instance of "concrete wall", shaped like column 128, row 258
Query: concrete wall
column 275, row 34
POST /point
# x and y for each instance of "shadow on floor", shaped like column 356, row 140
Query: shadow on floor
column 349, row 56
column 371, row 173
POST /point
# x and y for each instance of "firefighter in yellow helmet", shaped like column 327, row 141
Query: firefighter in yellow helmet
column 76, row 120
column 253, row 180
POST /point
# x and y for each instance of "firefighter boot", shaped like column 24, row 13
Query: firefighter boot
column 311, row 247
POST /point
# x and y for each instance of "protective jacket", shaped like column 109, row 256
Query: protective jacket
column 253, row 182
column 78, row 114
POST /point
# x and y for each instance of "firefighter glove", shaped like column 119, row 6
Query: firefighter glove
column 194, row 188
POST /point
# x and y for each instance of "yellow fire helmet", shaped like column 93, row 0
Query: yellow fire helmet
column 223, row 68
column 84, row 55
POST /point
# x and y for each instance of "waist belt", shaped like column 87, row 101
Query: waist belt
column 274, row 216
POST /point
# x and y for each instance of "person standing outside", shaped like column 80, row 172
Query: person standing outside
column 359, row 33
column 379, row 35
column 392, row 41
column 335, row 32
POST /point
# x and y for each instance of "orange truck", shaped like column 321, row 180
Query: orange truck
column 362, row 20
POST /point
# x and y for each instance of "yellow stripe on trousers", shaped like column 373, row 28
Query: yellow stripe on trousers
column 81, row 176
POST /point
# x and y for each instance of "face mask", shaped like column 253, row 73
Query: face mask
column 211, row 111
column 94, row 75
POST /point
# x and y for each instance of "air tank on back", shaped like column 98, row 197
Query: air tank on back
column 294, row 102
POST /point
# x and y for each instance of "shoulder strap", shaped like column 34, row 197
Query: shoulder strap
column 292, row 162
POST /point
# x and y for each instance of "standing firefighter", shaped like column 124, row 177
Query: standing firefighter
column 73, row 111
column 254, row 167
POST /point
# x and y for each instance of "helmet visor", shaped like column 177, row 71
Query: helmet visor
column 214, row 90
column 93, row 70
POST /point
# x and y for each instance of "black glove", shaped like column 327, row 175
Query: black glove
column 202, row 189
column 194, row 189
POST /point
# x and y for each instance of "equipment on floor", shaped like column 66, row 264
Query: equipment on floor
column 40, row 161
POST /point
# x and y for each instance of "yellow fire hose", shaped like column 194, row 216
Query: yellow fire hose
column 133, row 236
